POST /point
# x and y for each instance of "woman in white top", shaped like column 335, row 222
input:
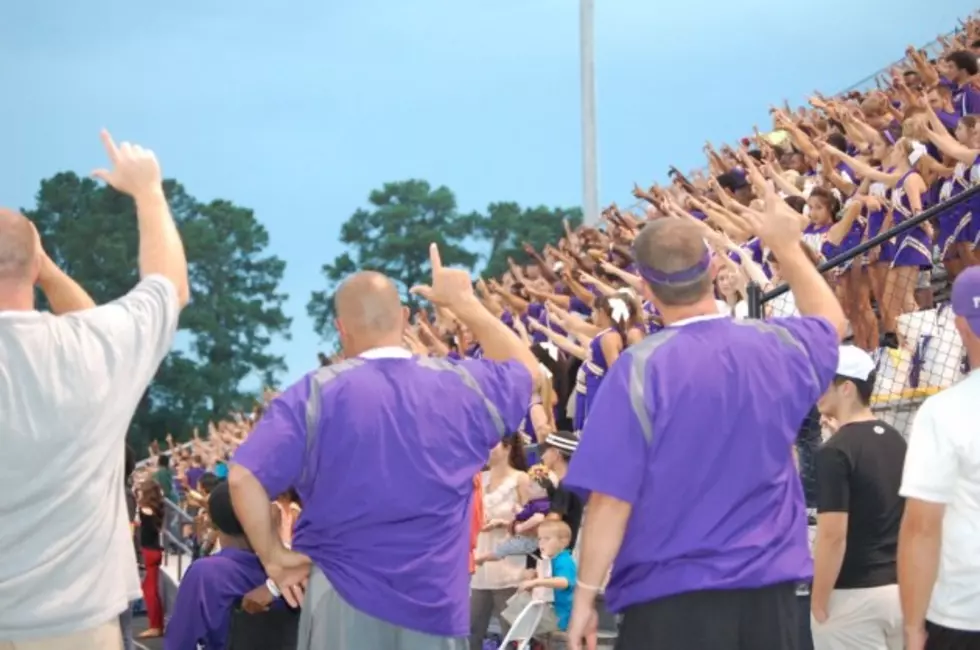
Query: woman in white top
column 505, row 486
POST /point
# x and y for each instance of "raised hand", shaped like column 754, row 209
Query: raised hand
column 449, row 286
column 778, row 227
column 135, row 170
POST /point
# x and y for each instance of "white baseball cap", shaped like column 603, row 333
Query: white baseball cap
column 854, row 363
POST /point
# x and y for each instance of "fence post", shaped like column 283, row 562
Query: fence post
column 754, row 299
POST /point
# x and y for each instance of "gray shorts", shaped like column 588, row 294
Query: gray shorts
column 327, row 622
column 516, row 545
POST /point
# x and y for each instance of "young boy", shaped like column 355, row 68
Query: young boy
column 202, row 612
column 554, row 537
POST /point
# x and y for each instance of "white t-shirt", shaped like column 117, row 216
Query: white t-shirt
column 69, row 386
column 942, row 465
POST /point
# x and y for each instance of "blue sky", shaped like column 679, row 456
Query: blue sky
column 298, row 109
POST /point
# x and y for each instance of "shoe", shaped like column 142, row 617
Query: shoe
column 152, row 633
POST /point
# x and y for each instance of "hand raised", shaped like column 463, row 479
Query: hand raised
column 449, row 286
column 135, row 170
column 778, row 227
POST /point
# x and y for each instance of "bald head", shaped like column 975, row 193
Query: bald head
column 18, row 247
column 368, row 306
column 673, row 247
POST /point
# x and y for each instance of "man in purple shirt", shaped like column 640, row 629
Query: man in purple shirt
column 695, row 501
column 382, row 449
column 960, row 68
column 208, row 592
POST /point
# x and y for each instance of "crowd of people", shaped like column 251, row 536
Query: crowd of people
column 604, row 419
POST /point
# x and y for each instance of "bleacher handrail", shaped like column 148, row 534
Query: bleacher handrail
column 877, row 240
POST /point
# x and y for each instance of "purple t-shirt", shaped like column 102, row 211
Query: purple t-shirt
column 193, row 475
column 208, row 591
column 966, row 99
column 386, row 476
column 693, row 426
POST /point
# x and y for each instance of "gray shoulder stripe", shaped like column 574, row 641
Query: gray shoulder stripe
column 639, row 354
column 314, row 404
column 470, row 382
column 786, row 338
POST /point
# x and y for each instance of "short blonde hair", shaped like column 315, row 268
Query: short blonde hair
column 562, row 530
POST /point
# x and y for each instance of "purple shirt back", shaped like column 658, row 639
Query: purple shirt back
column 693, row 426
column 386, row 476
column 208, row 591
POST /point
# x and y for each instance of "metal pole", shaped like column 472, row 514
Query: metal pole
column 590, row 176
column 754, row 300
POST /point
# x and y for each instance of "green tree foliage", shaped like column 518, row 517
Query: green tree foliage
column 236, row 308
column 393, row 237
column 506, row 227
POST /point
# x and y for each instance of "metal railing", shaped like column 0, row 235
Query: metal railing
column 175, row 517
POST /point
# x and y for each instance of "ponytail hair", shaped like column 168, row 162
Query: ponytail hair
column 620, row 309
column 515, row 451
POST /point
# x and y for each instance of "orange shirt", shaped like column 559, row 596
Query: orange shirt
column 477, row 522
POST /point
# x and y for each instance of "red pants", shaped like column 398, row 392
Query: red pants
column 152, row 558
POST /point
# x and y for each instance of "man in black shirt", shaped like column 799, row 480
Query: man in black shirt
column 855, row 601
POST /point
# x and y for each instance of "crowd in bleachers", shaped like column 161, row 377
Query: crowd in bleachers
column 852, row 167
column 849, row 167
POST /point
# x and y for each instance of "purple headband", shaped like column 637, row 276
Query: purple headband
column 683, row 276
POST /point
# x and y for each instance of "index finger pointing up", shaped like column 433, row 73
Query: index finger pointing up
column 110, row 145
column 434, row 259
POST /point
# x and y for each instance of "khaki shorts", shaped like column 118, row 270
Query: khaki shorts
column 104, row 637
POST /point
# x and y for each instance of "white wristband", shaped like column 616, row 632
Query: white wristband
column 273, row 589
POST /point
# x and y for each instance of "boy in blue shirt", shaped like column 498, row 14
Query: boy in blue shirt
column 554, row 537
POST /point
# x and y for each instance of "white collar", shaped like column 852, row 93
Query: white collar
column 386, row 352
column 697, row 319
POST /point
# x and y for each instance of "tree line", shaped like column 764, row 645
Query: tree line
column 226, row 334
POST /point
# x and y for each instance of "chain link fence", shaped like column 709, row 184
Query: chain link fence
column 888, row 296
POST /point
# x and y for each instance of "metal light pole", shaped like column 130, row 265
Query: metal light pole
column 590, row 174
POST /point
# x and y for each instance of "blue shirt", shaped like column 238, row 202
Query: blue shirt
column 382, row 451
column 221, row 469
column 207, row 594
column 706, row 413
column 563, row 566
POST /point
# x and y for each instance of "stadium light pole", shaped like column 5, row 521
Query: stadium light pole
column 590, row 174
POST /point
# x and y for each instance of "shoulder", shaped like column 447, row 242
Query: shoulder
column 840, row 445
column 644, row 350
column 153, row 297
column 563, row 562
column 331, row 374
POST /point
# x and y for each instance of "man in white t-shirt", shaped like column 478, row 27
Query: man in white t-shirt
column 939, row 543
column 70, row 382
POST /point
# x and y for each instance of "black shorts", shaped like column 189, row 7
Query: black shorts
column 736, row 619
column 944, row 638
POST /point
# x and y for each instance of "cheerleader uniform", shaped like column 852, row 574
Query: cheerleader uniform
column 589, row 377
column 876, row 220
column 760, row 254
column 954, row 222
column 815, row 237
column 651, row 325
column 853, row 237
column 912, row 247
column 973, row 207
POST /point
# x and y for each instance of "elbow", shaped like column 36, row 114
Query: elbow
column 183, row 294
